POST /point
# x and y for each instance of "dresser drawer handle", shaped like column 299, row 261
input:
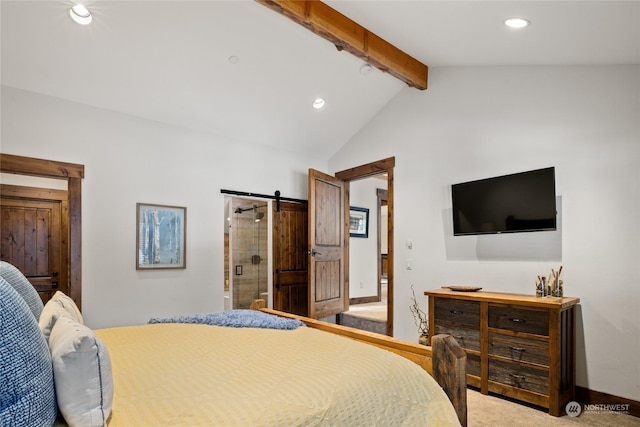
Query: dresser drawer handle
column 515, row 319
column 517, row 348
column 517, row 377
column 456, row 312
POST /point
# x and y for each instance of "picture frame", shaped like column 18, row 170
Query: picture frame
column 358, row 222
column 161, row 240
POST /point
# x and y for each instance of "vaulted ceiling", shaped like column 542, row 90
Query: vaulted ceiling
column 242, row 72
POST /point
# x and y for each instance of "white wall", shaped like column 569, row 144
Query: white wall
column 480, row 122
column 363, row 253
column 129, row 160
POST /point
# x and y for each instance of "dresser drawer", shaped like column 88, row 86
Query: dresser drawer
column 519, row 376
column 519, row 349
column 468, row 338
column 519, row 319
column 458, row 312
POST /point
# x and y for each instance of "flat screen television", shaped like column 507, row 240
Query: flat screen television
column 513, row 203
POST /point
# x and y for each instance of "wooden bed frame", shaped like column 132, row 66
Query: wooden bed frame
column 445, row 360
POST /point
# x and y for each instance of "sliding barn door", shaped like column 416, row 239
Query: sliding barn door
column 328, row 244
column 290, row 264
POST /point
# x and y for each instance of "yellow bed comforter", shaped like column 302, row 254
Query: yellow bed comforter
column 199, row 375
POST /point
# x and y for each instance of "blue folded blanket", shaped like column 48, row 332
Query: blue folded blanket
column 235, row 319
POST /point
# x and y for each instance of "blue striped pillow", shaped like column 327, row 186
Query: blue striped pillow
column 27, row 393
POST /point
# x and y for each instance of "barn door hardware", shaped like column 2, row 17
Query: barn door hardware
column 277, row 197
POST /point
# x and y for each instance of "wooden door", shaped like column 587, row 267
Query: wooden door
column 34, row 236
column 290, row 264
column 328, row 244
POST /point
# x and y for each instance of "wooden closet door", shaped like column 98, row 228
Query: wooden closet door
column 33, row 238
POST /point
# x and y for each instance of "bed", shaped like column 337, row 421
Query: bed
column 193, row 374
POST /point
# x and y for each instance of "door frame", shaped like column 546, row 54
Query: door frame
column 384, row 166
column 73, row 174
column 381, row 196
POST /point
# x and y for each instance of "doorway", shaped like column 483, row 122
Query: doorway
column 69, row 275
column 383, row 170
column 368, row 274
column 246, row 250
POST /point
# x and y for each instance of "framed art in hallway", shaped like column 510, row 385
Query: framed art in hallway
column 358, row 222
column 160, row 237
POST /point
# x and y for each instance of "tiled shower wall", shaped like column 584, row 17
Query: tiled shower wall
column 249, row 272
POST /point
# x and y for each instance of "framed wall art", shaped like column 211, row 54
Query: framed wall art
column 358, row 222
column 160, row 237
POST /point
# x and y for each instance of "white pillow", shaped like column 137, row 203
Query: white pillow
column 82, row 374
column 68, row 304
column 58, row 305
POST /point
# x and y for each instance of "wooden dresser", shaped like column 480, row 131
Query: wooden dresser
column 519, row 346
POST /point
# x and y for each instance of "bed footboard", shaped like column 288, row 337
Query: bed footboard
column 445, row 360
column 449, row 370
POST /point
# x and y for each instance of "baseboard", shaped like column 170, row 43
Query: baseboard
column 364, row 300
column 592, row 397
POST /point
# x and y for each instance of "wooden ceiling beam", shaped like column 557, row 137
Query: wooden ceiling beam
column 348, row 35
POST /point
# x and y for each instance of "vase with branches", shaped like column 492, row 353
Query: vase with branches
column 420, row 318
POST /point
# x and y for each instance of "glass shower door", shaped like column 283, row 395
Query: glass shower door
column 248, row 241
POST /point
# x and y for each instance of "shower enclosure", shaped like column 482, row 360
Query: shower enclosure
column 247, row 253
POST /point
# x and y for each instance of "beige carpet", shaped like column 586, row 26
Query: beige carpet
column 373, row 311
column 376, row 311
column 370, row 317
column 493, row 411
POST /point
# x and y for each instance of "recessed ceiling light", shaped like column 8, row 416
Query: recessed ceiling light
column 233, row 59
column 318, row 103
column 80, row 14
column 517, row 22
